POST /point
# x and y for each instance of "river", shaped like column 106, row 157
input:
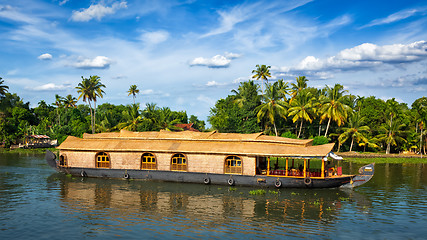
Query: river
column 38, row 203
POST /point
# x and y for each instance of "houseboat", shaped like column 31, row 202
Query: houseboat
column 205, row 157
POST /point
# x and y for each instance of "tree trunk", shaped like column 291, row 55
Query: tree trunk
column 320, row 128
column 94, row 116
column 275, row 129
column 387, row 151
column 351, row 145
column 300, row 128
column 327, row 127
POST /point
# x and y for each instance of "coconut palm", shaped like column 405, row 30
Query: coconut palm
column 261, row 72
column 303, row 107
column 86, row 92
column 91, row 88
column 272, row 107
column 284, row 88
column 69, row 101
column 393, row 108
column 3, row 88
column 301, row 83
column 58, row 103
column 133, row 117
column 354, row 130
column 133, row 90
column 333, row 107
column 392, row 134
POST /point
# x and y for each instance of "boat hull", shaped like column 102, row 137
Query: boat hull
column 204, row 178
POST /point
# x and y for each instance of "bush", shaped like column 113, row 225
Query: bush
column 320, row 140
column 289, row 135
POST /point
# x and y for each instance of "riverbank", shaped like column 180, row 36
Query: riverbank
column 29, row 150
column 382, row 157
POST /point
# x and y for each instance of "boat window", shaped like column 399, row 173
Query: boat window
column 233, row 164
column 63, row 161
column 102, row 160
column 179, row 162
column 148, row 161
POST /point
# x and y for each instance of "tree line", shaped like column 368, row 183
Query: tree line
column 295, row 110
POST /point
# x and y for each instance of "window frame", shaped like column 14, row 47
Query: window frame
column 97, row 162
column 181, row 167
column 153, row 165
column 229, row 169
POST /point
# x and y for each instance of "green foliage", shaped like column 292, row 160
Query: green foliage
column 320, row 140
column 289, row 135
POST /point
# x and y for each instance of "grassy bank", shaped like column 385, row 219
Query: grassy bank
column 387, row 160
column 32, row 150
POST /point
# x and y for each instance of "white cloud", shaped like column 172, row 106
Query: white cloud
column 364, row 56
column 101, row 62
column 63, row 2
column 45, row 56
column 147, row 92
column 403, row 14
column 215, row 84
column 217, row 61
column 51, row 87
column 96, row 11
column 153, row 38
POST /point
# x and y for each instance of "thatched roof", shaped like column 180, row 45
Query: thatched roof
column 255, row 144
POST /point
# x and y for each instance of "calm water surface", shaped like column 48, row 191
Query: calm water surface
column 37, row 203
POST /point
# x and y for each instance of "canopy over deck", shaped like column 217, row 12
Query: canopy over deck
column 255, row 144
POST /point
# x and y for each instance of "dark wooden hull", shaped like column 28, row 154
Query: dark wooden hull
column 204, row 178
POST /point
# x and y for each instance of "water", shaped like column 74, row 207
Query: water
column 37, row 203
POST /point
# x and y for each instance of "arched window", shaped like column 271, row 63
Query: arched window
column 179, row 162
column 102, row 160
column 63, row 161
column 233, row 164
column 148, row 161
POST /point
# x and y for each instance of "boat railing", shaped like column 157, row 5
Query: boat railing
column 310, row 173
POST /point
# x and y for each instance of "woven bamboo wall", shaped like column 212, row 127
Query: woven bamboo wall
column 206, row 163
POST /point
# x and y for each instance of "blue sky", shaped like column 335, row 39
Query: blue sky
column 188, row 54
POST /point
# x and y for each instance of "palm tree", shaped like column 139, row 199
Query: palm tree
column 133, row 117
column 303, row 108
column 97, row 92
column 301, row 83
column 3, row 88
column 261, row 72
column 284, row 88
column 86, row 92
column 58, row 103
column 133, row 90
column 91, row 88
column 273, row 106
column 354, row 130
column 393, row 108
column 392, row 134
column 333, row 106
column 69, row 101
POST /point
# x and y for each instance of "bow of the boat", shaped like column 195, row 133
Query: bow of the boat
column 51, row 159
column 365, row 174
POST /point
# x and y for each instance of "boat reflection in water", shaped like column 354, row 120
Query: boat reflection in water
column 194, row 209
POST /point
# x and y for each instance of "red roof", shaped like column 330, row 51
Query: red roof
column 187, row 127
column 38, row 136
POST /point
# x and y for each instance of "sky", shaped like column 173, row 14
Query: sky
column 188, row 54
